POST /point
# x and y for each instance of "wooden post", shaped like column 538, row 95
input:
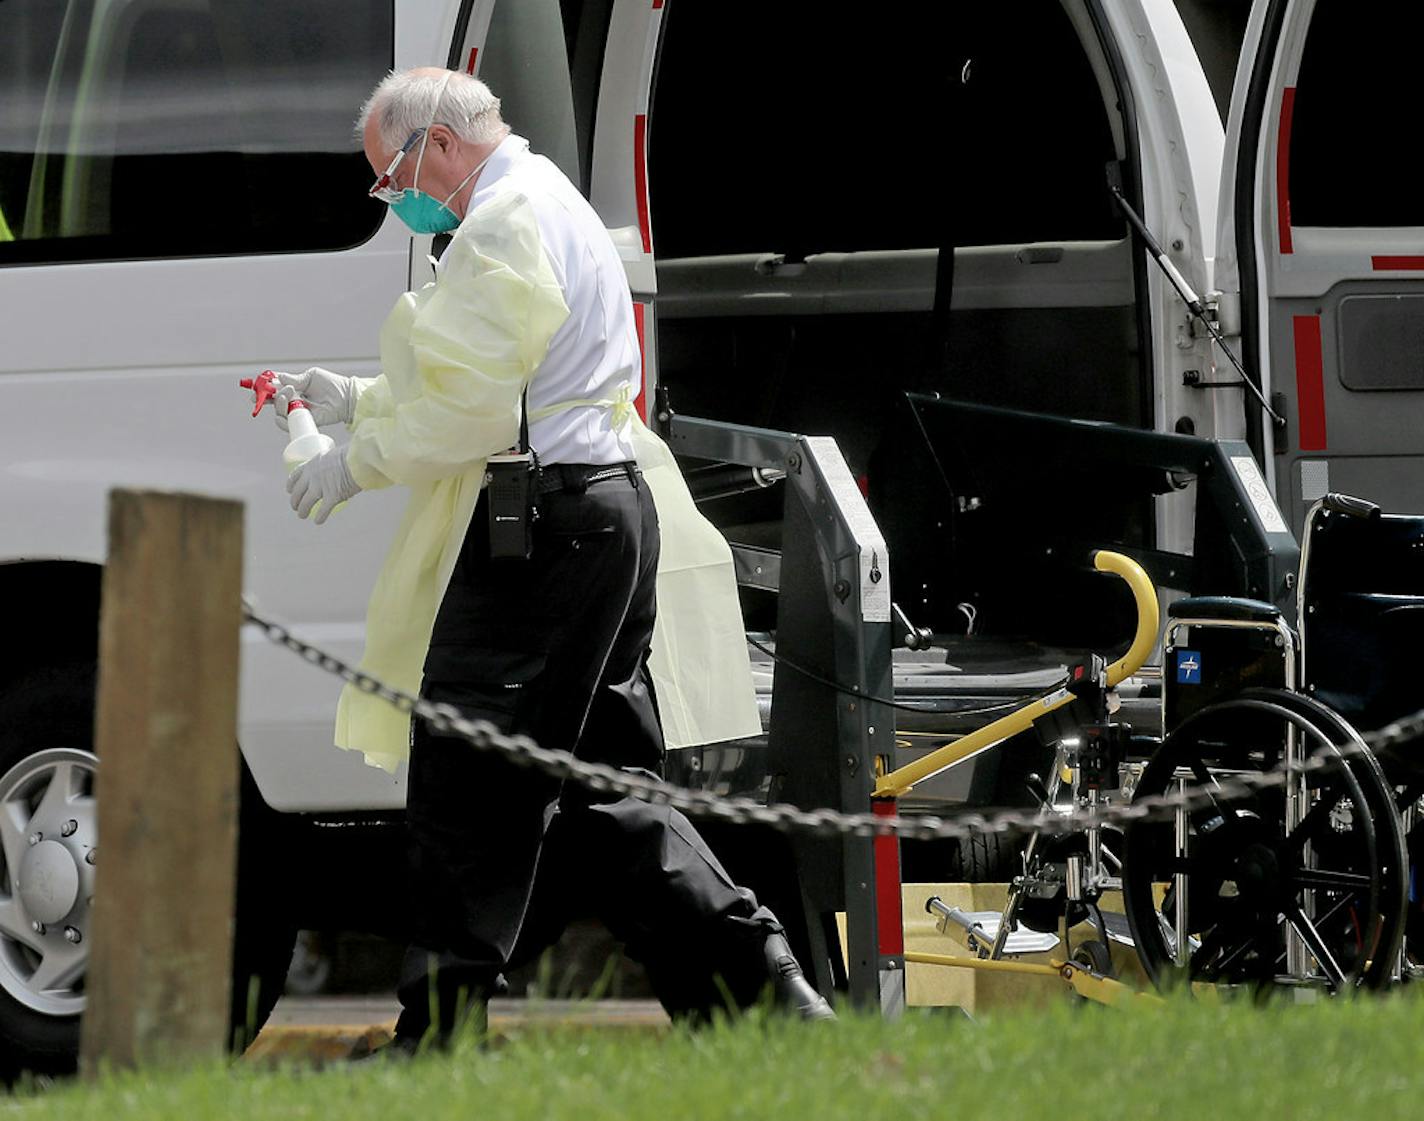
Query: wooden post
column 160, row 968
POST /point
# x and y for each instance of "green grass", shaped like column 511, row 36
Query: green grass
column 1341, row 1059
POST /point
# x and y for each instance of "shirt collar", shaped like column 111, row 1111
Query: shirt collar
column 510, row 150
column 501, row 161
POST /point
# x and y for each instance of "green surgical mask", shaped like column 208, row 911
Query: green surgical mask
column 423, row 213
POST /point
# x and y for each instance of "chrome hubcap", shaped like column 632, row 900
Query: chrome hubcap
column 48, row 881
column 48, row 850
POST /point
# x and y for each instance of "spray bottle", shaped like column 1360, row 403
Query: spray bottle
column 306, row 442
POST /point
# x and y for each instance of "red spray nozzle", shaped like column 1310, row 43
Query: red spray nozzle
column 264, row 385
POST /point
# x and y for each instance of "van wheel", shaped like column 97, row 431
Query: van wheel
column 47, row 768
column 48, row 821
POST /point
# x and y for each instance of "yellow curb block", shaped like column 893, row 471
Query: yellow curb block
column 328, row 1043
column 338, row 1042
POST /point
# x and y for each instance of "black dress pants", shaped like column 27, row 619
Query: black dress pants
column 556, row 647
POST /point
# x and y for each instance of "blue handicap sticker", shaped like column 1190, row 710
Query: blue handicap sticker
column 1188, row 667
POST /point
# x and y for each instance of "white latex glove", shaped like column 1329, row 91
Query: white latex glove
column 321, row 483
column 331, row 398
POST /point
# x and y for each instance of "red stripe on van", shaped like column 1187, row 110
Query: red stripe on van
column 1310, row 382
column 657, row 4
column 1283, row 169
column 470, row 66
column 1381, row 264
column 888, row 899
column 641, row 404
column 640, row 176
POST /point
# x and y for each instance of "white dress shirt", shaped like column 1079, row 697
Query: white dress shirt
column 595, row 354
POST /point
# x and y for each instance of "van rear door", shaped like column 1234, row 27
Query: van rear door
column 1321, row 232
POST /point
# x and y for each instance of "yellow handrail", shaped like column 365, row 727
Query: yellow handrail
column 1148, row 619
column 899, row 782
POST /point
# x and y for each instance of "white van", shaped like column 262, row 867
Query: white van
column 815, row 213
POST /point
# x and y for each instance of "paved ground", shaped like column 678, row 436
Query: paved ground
column 334, row 1028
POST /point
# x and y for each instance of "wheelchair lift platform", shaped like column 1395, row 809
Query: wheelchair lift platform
column 979, row 929
column 834, row 736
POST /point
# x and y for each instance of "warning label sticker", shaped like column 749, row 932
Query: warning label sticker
column 874, row 557
column 1259, row 493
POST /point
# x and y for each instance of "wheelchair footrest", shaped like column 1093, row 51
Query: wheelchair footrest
column 980, row 928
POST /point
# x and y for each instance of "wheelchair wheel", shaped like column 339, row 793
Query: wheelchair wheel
column 1385, row 809
column 1410, row 800
column 1336, row 881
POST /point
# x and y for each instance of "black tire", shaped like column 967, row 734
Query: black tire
column 987, row 858
column 1247, row 875
column 48, row 708
column 265, row 930
column 1094, row 954
column 52, row 708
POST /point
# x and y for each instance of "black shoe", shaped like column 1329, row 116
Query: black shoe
column 401, row 1048
column 792, row 989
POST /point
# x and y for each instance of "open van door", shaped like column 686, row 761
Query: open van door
column 1321, row 232
column 574, row 78
column 618, row 175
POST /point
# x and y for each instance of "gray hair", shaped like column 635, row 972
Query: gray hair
column 406, row 100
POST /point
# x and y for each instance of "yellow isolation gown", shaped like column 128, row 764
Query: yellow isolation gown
column 455, row 357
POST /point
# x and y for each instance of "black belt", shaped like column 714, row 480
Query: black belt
column 575, row 478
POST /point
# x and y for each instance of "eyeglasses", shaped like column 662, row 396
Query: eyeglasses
column 383, row 189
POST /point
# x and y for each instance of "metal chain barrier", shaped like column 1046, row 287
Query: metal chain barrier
column 447, row 720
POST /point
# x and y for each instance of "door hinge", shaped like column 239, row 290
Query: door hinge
column 1224, row 311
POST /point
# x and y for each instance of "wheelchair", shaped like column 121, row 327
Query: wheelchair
column 1281, row 849
column 1290, row 865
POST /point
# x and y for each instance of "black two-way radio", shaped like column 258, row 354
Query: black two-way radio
column 510, row 486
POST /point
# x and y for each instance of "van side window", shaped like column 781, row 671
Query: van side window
column 543, row 59
column 180, row 128
column 1352, row 158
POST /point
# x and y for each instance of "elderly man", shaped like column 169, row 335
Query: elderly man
column 528, row 326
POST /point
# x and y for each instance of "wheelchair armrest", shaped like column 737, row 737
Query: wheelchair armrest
column 1227, row 608
column 1348, row 504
